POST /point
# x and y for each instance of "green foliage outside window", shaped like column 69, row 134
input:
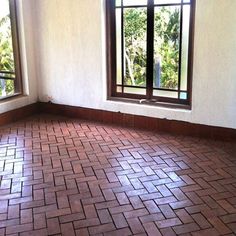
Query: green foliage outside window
column 166, row 45
column 6, row 55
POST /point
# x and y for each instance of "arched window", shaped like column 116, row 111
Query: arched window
column 150, row 47
column 10, row 72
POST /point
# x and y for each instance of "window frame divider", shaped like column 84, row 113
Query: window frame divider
column 150, row 48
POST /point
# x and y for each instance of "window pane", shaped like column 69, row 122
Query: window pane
column 119, row 89
column 7, row 75
column 118, row 47
column 183, row 96
column 134, row 2
column 6, row 87
column 166, row 47
column 118, row 3
column 6, row 48
column 167, row 1
column 161, row 93
column 185, row 47
column 135, row 26
column 140, row 91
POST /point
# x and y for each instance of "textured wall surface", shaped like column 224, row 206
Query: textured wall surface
column 71, row 64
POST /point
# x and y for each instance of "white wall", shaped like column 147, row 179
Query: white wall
column 71, row 60
column 26, row 37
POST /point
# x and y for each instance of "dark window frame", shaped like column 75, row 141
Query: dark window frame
column 112, row 93
column 18, row 89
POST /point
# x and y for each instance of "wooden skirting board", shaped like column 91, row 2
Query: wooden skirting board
column 141, row 122
column 128, row 120
column 19, row 113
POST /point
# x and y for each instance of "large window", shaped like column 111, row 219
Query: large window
column 10, row 79
column 150, row 50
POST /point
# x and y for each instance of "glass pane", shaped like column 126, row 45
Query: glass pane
column 6, row 87
column 118, row 3
column 134, row 2
column 118, row 47
column 141, row 91
column 135, row 26
column 166, row 47
column 6, row 48
column 161, row 93
column 6, row 75
column 183, row 96
column 167, row 1
column 185, row 47
column 119, row 89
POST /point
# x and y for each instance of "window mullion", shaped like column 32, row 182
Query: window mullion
column 111, row 37
column 191, row 50
column 150, row 47
column 122, row 47
column 180, row 48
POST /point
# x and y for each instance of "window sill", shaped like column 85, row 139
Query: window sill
column 11, row 97
column 150, row 103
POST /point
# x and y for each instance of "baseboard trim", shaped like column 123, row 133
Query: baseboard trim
column 19, row 113
column 141, row 122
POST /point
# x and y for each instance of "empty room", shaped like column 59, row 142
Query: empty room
column 117, row 117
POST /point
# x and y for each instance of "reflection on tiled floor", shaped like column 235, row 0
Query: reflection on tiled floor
column 70, row 177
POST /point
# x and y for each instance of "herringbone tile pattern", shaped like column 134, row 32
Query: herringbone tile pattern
column 70, row 177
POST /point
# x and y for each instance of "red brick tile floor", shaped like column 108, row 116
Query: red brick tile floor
column 60, row 176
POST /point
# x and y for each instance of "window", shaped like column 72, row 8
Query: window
column 10, row 75
column 150, row 50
